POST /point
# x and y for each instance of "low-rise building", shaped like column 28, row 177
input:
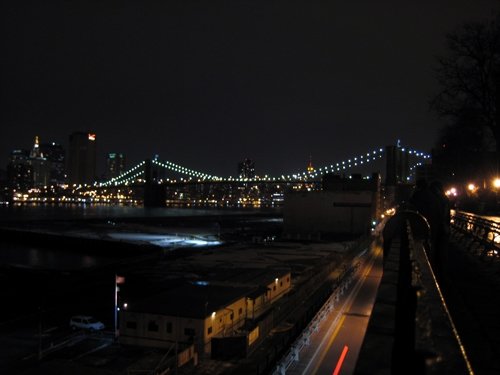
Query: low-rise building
column 188, row 314
column 344, row 206
column 269, row 284
column 196, row 313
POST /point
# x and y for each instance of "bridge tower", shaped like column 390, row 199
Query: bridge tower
column 154, row 193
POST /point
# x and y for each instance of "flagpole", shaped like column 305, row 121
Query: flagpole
column 116, row 307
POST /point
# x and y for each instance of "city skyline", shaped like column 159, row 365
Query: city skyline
column 209, row 86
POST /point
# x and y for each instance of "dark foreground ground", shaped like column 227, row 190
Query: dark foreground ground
column 36, row 304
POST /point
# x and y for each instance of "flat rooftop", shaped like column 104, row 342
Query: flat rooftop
column 247, row 276
column 191, row 301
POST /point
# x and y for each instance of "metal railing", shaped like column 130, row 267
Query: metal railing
column 480, row 236
column 410, row 317
column 293, row 354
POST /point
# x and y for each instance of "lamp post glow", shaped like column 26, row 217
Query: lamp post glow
column 496, row 183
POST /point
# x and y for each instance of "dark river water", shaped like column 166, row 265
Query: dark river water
column 75, row 212
column 46, row 257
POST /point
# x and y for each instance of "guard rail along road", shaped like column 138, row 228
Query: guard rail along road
column 410, row 330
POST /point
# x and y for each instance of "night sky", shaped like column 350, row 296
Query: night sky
column 206, row 83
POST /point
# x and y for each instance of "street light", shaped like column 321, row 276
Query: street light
column 496, row 185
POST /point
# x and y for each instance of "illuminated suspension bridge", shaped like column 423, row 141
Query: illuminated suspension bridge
column 147, row 183
column 138, row 175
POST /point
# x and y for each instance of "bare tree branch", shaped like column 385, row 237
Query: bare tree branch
column 469, row 76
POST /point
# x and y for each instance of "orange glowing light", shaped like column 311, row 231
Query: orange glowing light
column 91, row 137
column 341, row 361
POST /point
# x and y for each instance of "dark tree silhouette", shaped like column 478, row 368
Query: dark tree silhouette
column 459, row 153
column 469, row 76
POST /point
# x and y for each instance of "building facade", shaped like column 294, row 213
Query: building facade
column 198, row 314
column 115, row 164
column 397, row 165
column 82, row 158
column 345, row 206
column 40, row 165
column 20, row 170
column 56, row 156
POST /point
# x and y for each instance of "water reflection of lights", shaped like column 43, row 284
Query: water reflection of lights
column 167, row 240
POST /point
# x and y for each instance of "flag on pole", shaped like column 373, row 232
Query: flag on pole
column 120, row 279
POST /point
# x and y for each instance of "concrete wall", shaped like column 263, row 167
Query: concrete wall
column 410, row 330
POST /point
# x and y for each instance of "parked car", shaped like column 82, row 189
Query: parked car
column 85, row 322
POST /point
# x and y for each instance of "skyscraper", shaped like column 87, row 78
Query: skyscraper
column 19, row 170
column 397, row 165
column 40, row 165
column 246, row 169
column 56, row 156
column 115, row 164
column 82, row 158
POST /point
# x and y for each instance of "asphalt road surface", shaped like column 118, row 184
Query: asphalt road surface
column 334, row 349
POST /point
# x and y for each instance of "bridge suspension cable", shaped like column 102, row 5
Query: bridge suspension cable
column 352, row 162
column 126, row 177
column 180, row 169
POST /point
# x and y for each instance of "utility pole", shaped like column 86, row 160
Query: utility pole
column 39, row 333
column 118, row 280
column 116, row 308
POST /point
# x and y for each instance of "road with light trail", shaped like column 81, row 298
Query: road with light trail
column 335, row 347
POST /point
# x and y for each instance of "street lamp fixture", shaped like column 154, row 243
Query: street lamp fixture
column 451, row 192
